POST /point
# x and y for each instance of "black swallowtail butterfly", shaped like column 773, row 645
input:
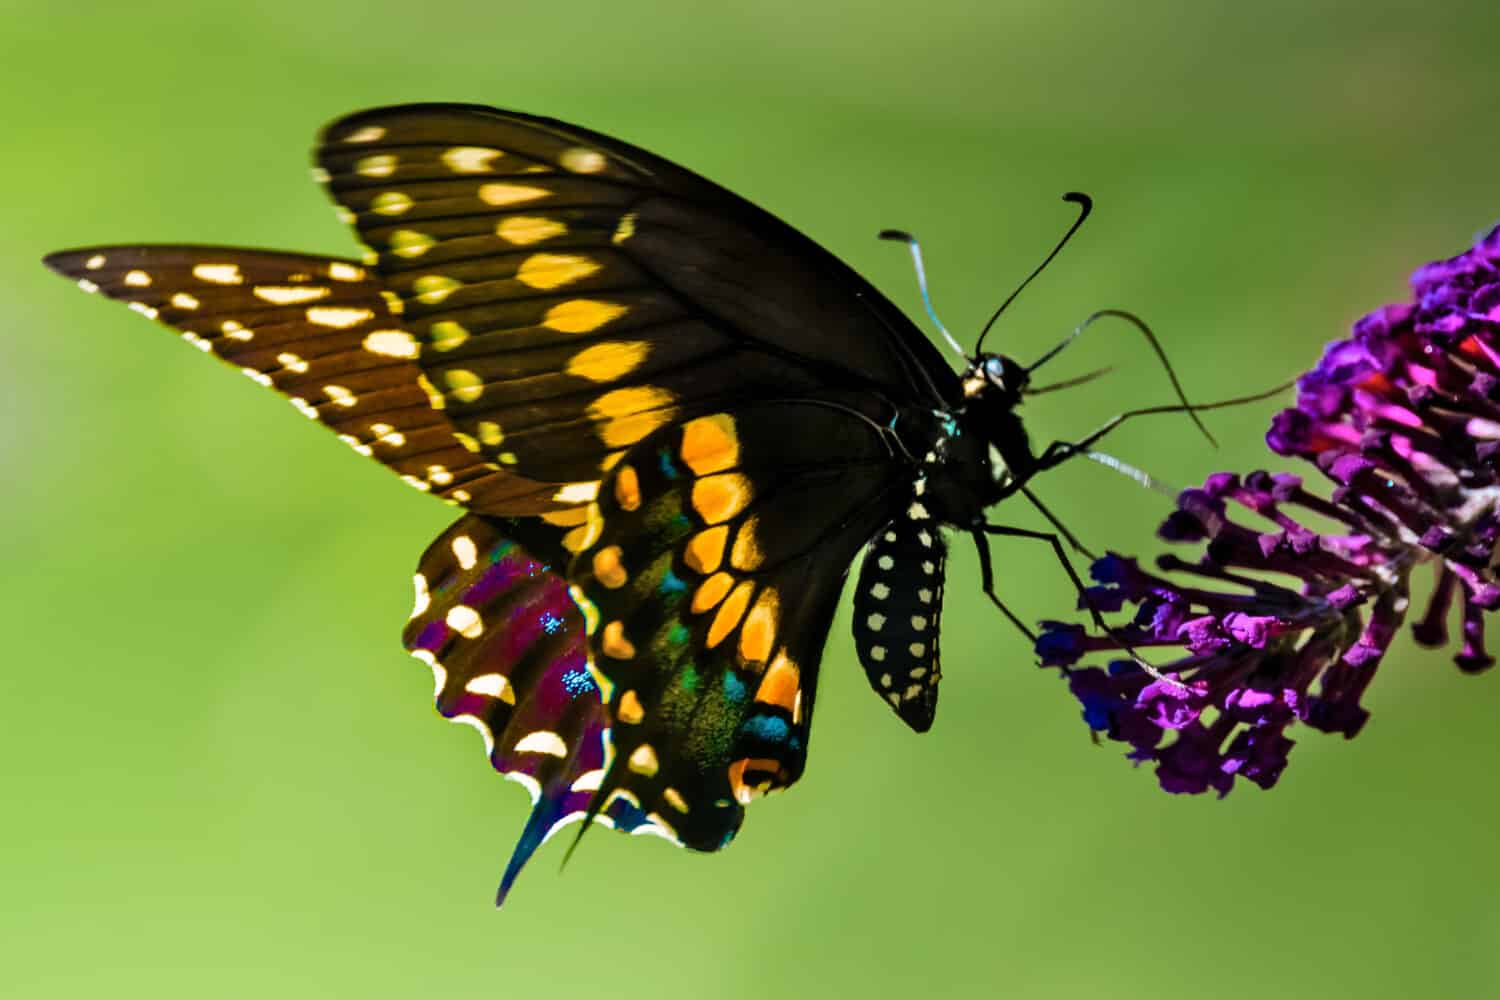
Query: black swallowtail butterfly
column 673, row 422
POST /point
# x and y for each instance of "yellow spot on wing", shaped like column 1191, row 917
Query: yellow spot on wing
column 524, row 230
column 719, row 498
column 758, row 634
column 434, row 398
column 710, row 444
column 466, row 386
column 614, row 643
column 543, row 741
column 446, row 334
column 627, row 488
column 340, row 395
column 379, row 165
column 586, row 534
column 470, row 159
column 674, row 799
column 608, row 361
column 608, row 569
column 138, row 279
column 581, row 315
column 434, row 288
column 643, row 760
column 490, row 433
column 287, row 295
column 95, row 262
column 630, row 710
column 465, row 552
column 624, row 230
column 338, row 317
column 390, row 203
column 424, row 598
column 370, row 133
column 627, row 415
column 219, row 274
column 730, row 613
column 339, row 271
column 392, row 344
column 547, row 271
column 409, row 243
column 510, row 194
column 582, row 161
column 465, row 621
column 492, row 686
column 292, row 362
column 182, row 300
column 577, row 492
column 705, row 551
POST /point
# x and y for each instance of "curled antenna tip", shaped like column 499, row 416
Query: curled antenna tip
column 1078, row 197
column 916, row 260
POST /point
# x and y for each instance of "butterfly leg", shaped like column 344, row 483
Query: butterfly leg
column 1083, row 594
column 987, row 582
column 1062, row 529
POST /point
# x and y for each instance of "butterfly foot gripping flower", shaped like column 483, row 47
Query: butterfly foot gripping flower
column 1295, row 597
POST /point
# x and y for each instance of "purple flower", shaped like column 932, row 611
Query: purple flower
column 1294, row 597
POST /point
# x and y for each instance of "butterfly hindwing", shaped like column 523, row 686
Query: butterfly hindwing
column 574, row 294
column 711, row 582
column 897, row 606
column 320, row 331
column 509, row 657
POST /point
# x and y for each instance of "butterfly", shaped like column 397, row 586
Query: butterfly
column 673, row 423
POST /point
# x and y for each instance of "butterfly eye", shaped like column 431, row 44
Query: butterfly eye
column 994, row 369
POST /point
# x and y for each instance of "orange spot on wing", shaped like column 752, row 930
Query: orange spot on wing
column 719, row 498
column 706, row 549
column 710, row 444
column 608, row 569
column 711, row 592
column 627, row 488
column 781, row 683
column 730, row 613
column 758, row 634
column 762, row 779
column 614, row 643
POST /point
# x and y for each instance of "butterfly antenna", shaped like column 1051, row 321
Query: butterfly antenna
column 1085, row 206
column 916, row 259
column 1068, row 383
column 1161, row 355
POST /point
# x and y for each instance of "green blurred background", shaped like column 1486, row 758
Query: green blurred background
column 222, row 776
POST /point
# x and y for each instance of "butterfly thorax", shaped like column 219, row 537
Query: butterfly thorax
column 975, row 452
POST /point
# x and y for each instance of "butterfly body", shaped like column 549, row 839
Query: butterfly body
column 675, row 422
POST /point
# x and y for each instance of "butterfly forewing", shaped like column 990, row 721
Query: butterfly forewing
column 509, row 657
column 710, row 585
column 574, row 294
column 320, row 331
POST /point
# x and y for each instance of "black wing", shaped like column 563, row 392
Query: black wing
column 573, row 293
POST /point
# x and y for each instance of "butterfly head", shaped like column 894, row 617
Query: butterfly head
column 999, row 380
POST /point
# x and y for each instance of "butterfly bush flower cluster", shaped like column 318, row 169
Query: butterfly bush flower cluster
column 1296, row 592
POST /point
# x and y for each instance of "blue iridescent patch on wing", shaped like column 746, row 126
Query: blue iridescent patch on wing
column 771, row 728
